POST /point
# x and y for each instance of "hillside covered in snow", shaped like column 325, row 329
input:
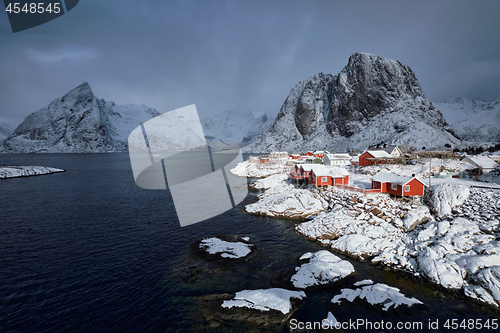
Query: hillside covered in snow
column 5, row 131
column 372, row 100
column 234, row 127
column 473, row 120
column 78, row 122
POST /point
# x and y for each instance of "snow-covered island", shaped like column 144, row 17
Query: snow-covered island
column 25, row 171
column 449, row 237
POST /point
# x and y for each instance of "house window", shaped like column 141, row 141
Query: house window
column 323, row 179
column 394, row 186
column 407, row 188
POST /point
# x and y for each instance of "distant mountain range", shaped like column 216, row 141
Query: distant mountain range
column 472, row 120
column 79, row 122
column 372, row 100
column 235, row 127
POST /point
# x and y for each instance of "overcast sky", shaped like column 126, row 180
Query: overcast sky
column 242, row 55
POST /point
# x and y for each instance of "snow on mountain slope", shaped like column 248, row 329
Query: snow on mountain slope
column 78, row 122
column 473, row 120
column 372, row 100
column 235, row 127
column 5, row 131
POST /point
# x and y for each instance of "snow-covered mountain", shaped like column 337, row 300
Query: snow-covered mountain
column 473, row 120
column 78, row 122
column 372, row 100
column 235, row 127
column 5, row 131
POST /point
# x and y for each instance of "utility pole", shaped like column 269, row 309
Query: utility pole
column 430, row 166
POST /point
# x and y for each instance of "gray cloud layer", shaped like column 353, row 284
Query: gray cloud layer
column 242, row 55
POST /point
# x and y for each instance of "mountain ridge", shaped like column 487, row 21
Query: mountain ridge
column 371, row 100
column 78, row 122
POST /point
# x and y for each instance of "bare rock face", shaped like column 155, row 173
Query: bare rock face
column 77, row 122
column 372, row 99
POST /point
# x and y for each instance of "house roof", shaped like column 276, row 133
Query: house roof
column 387, row 177
column 339, row 156
column 379, row 153
column 307, row 167
column 328, row 171
column 483, row 162
column 387, row 148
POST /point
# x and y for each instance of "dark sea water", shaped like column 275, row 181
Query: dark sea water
column 88, row 251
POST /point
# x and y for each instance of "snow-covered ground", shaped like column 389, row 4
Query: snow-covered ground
column 421, row 168
column 231, row 250
column 450, row 238
column 457, row 251
column 255, row 169
column 265, row 299
column 24, row 171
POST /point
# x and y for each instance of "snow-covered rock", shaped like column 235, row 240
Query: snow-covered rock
column 440, row 270
column 415, row 217
column 236, row 127
column 372, row 99
column 330, row 322
column 226, row 249
column 377, row 294
column 443, row 198
column 363, row 283
column 489, row 279
column 78, row 122
column 255, row 169
column 473, row 120
column 24, row 171
column 287, row 201
column 271, row 181
column 265, row 299
column 322, row 268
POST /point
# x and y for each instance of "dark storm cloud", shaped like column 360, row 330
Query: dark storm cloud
column 242, row 55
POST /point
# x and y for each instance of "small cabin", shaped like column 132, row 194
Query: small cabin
column 294, row 156
column 328, row 176
column 340, row 160
column 371, row 157
column 398, row 185
column 392, row 150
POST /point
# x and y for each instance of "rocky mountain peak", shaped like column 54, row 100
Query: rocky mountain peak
column 79, row 95
column 77, row 122
column 372, row 99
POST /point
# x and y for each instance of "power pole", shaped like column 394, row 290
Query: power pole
column 430, row 166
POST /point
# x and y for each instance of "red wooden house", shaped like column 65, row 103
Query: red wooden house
column 309, row 153
column 294, row 157
column 371, row 157
column 301, row 171
column 321, row 175
column 398, row 185
column 320, row 154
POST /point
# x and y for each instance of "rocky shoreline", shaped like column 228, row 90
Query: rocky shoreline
column 452, row 239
